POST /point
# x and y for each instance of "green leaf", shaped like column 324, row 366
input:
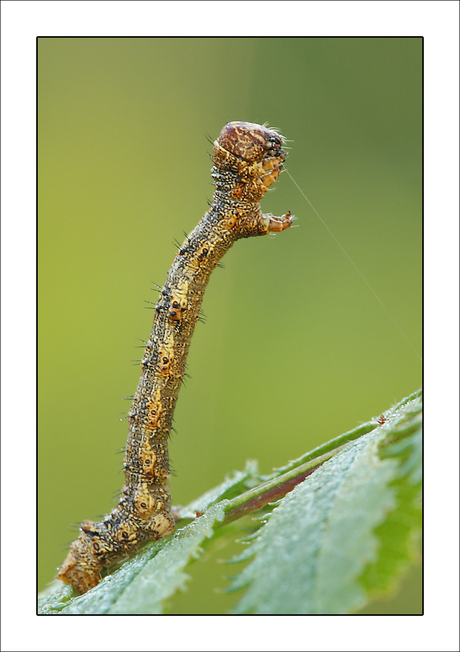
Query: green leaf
column 345, row 533
column 340, row 537
column 399, row 533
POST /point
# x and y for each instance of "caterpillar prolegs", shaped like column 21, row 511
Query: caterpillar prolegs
column 247, row 159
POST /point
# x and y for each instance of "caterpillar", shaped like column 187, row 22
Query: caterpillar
column 247, row 160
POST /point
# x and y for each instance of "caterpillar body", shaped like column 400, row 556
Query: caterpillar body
column 247, row 160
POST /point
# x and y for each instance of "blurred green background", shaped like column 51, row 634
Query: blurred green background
column 296, row 349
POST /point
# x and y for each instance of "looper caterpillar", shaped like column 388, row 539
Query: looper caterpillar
column 247, row 159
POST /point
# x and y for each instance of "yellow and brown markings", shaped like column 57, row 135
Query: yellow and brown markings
column 247, row 160
column 155, row 409
column 144, row 501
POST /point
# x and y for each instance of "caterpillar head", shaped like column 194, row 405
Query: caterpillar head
column 248, row 158
column 251, row 142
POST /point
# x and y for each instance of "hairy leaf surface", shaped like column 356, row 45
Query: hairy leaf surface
column 345, row 532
